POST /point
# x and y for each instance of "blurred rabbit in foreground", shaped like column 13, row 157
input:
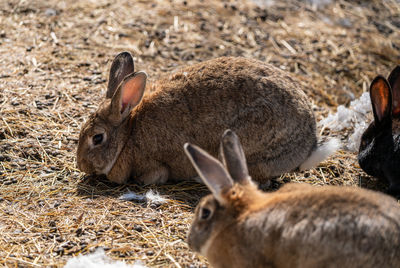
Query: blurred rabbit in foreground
column 297, row 226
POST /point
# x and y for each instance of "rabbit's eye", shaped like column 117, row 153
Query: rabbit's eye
column 97, row 139
column 205, row 213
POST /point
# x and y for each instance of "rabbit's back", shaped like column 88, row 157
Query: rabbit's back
column 332, row 227
column 264, row 105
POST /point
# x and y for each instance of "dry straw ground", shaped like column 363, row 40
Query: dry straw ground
column 54, row 59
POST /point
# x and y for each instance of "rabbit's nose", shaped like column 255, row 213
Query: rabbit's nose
column 78, row 162
column 78, row 165
column 81, row 164
column 84, row 167
column 190, row 242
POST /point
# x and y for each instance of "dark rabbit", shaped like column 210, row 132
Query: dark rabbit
column 297, row 226
column 379, row 153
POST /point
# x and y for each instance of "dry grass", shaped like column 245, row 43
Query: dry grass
column 55, row 56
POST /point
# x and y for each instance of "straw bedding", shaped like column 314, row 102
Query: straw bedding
column 55, row 57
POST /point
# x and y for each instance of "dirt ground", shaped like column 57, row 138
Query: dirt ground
column 54, row 61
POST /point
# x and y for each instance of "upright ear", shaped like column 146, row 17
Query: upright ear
column 128, row 95
column 234, row 158
column 120, row 68
column 211, row 171
column 394, row 82
column 381, row 98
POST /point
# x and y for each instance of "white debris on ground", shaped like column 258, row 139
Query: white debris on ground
column 131, row 196
column 319, row 3
column 264, row 3
column 268, row 3
column 98, row 259
column 155, row 198
column 150, row 197
column 356, row 118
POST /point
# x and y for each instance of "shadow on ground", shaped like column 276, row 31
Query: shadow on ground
column 188, row 192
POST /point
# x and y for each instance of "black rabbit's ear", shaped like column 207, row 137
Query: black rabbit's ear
column 394, row 81
column 381, row 98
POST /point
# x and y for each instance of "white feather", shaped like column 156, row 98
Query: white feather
column 98, row 259
column 149, row 197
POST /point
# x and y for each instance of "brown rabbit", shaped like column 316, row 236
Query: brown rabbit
column 142, row 137
column 296, row 226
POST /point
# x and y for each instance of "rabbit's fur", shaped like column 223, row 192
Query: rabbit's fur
column 143, row 138
column 379, row 153
column 297, row 226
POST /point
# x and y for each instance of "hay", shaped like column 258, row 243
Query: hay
column 55, row 57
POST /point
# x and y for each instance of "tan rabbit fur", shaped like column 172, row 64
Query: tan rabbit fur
column 263, row 104
column 297, row 226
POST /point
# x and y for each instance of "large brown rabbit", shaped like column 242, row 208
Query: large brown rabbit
column 296, row 226
column 142, row 137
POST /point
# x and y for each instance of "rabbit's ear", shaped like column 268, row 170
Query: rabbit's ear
column 128, row 95
column 394, row 81
column 120, row 68
column 234, row 158
column 211, row 171
column 381, row 98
